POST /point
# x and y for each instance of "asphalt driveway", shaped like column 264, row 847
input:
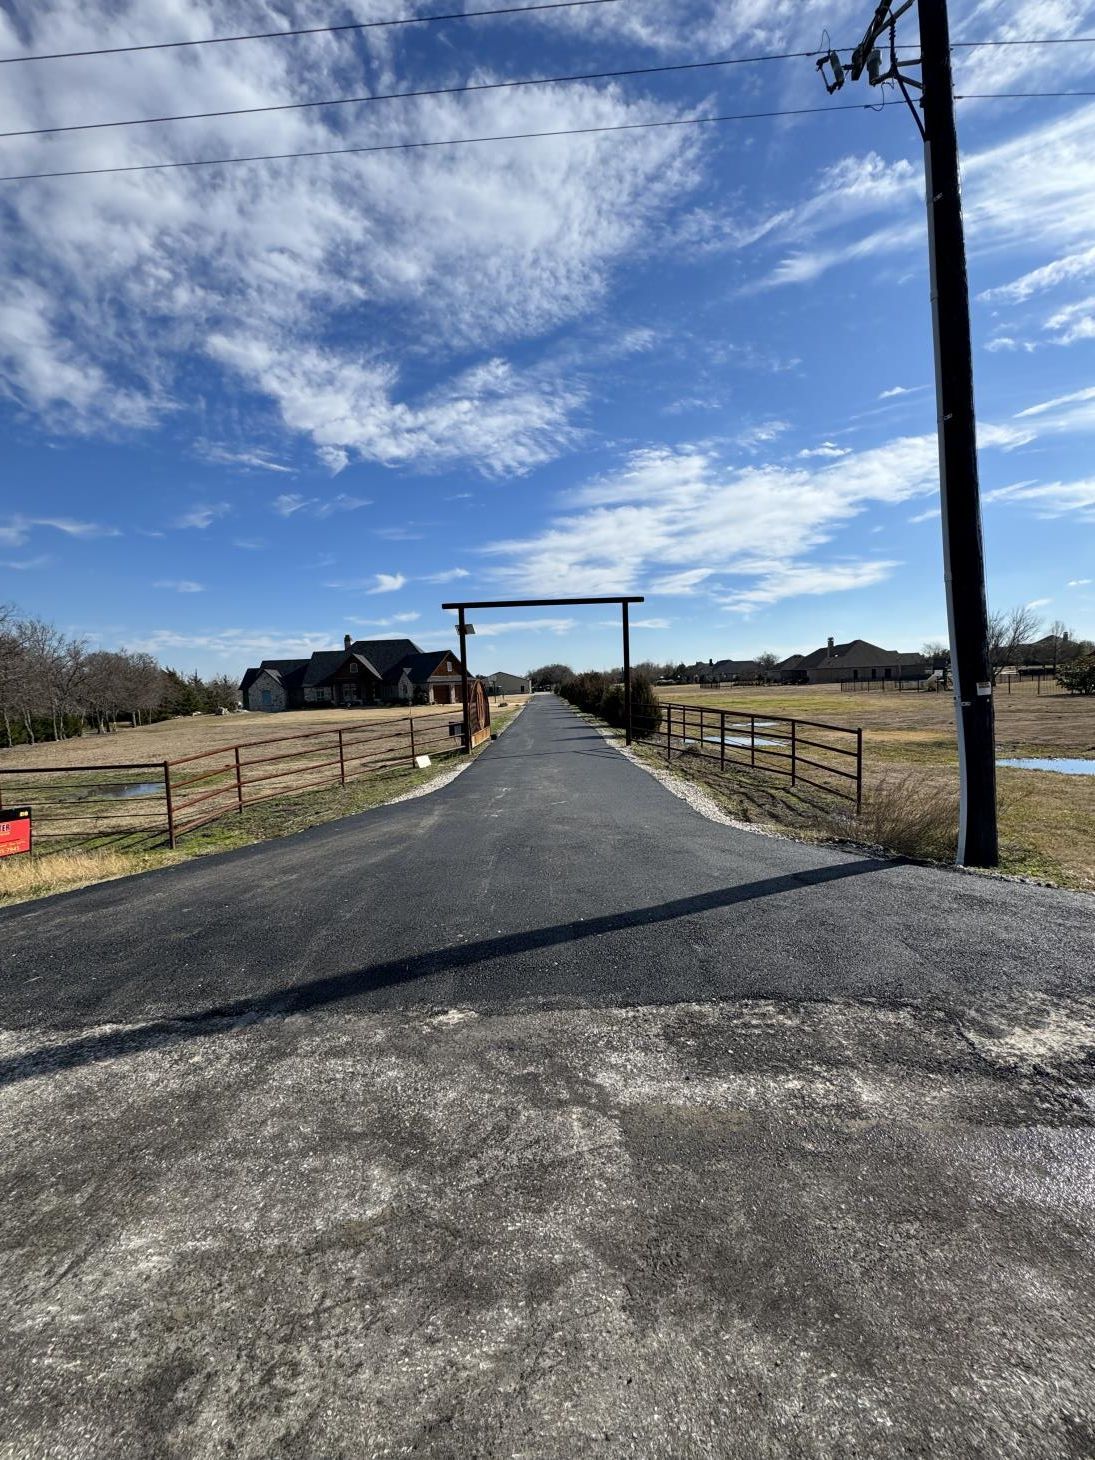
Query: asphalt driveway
column 541, row 1115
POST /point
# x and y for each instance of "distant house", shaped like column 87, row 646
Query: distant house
column 721, row 671
column 501, row 683
column 855, row 660
column 363, row 672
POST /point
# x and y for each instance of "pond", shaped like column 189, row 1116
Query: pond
column 1063, row 765
column 738, row 740
column 115, row 791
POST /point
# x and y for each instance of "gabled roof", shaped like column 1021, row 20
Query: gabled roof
column 384, row 654
column 285, row 671
column 858, row 654
column 322, row 665
column 418, row 666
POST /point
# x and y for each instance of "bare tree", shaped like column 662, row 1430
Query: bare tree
column 1008, row 631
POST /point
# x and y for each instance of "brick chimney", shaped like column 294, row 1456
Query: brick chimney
column 347, row 641
column 832, row 644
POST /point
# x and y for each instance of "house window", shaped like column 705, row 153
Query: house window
column 267, row 698
column 353, row 667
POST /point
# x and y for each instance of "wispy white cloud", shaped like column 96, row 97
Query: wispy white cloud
column 492, row 629
column 1051, row 499
column 896, row 390
column 16, row 530
column 449, row 575
column 1079, row 265
column 827, row 448
column 180, row 585
column 680, row 517
column 1086, row 394
column 774, row 581
column 388, row 583
column 203, row 515
column 246, row 460
column 1078, row 582
column 27, row 565
column 393, row 621
column 287, row 504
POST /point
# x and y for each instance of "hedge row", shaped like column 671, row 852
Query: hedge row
column 597, row 694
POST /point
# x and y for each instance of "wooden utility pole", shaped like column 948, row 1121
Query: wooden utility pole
column 960, row 501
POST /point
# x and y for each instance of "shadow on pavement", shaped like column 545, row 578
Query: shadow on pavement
column 332, row 989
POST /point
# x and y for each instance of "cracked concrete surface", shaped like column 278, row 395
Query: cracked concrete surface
column 752, row 1228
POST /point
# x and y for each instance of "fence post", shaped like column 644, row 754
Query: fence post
column 722, row 740
column 859, row 770
column 753, row 740
column 794, row 728
column 410, row 721
column 669, row 733
column 341, row 761
column 170, row 808
column 239, row 781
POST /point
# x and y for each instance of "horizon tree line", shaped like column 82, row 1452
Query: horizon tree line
column 54, row 687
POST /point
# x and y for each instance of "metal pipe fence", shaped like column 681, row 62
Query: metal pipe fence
column 144, row 804
column 807, row 752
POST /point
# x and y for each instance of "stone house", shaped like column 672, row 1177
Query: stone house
column 363, row 672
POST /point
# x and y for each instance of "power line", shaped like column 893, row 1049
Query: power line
column 276, row 35
column 333, row 101
column 1060, row 40
column 290, row 106
column 441, row 142
column 498, row 137
column 1014, row 95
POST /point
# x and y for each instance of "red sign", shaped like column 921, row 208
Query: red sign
column 15, row 830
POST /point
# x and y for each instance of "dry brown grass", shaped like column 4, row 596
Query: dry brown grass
column 22, row 878
column 908, row 814
column 1047, row 821
column 191, row 735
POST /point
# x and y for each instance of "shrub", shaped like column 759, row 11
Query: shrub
column 612, row 706
column 646, row 708
column 1079, row 676
column 586, row 691
column 909, row 815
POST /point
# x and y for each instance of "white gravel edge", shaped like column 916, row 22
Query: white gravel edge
column 699, row 800
column 447, row 777
column 707, row 807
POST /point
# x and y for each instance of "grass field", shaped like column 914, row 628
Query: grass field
column 27, row 877
column 173, row 739
column 1047, row 821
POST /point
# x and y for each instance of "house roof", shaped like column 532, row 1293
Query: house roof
column 419, row 666
column 858, row 654
column 285, row 671
column 322, row 665
column 377, row 655
column 384, row 654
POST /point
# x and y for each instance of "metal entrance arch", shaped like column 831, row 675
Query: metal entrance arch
column 462, row 631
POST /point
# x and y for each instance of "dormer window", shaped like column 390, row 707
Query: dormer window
column 353, row 666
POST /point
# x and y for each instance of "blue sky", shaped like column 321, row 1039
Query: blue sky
column 248, row 409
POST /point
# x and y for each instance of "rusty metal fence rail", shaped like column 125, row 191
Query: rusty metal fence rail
column 808, row 752
column 122, row 806
column 144, row 804
column 204, row 787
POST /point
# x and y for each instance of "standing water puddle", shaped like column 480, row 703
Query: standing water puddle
column 117, row 792
column 1062, row 764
